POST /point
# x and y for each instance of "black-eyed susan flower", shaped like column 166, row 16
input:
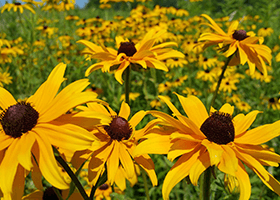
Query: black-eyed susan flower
column 117, row 138
column 28, row 128
column 145, row 53
column 217, row 139
column 17, row 6
column 103, row 192
column 265, row 31
column 238, row 43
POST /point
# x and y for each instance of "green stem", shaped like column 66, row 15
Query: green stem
column 145, row 183
column 220, row 80
column 205, row 182
column 127, row 84
column 71, row 174
column 100, row 181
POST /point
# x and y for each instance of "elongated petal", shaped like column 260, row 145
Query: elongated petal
column 44, row 155
column 214, row 25
column 194, row 109
column 227, row 108
column 120, row 70
column 179, row 171
column 126, row 161
column 170, row 105
column 147, row 164
column 244, row 182
column 229, row 162
column 8, row 167
column 136, row 118
column 6, row 99
column 5, row 140
column 180, row 147
column 113, row 162
column 154, row 63
column 260, row 135
column 200, row 165
column 18, row 184
column 24, row 155
column 47, row 91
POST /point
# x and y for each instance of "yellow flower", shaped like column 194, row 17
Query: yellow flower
column 103, row 192
column 238, row 43
column 145, row 53
column 17, row 6
column 216, row 139
column 266, row 31
column 5, row 78
column 132, row 96
column 117, row 139
column 28, row 128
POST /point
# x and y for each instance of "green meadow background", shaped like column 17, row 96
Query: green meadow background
column 35, row 53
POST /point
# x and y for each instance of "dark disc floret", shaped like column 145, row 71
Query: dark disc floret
column 218, row 128
column 118, row 129
column 240, row 35
column 49, row 194
column 128, row 48
column 104, row 186
column 18, row 119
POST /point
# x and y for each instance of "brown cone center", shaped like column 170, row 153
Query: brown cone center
column 239, row 35
column 118, row 129
column 218, row 128
column 18, row 119
column 128, row 48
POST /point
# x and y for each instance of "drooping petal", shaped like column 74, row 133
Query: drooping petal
column 244, row 182
column 179, row 171
column 147, row 164
column 229, row 162
column 215, row 151
column 48, row 166
column 120, row 70
column 24, row 155
column 136, row 118
column 113, row 162
column 126, row 161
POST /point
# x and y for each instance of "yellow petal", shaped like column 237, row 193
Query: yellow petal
column 24, row 155
column 244, row 182
column 215, row 151
column 242, row 123
column 147, row 164
column 48, row 90
column 180, row 147
column 6, row 99
column 179, row 171
column 227, row 108
column 113, row 162
column 194, row 109
column 120, row 70
column 45, row 157
column 124, row 110
column 229, row 162
column 136, row 118
column 201, row 164
column 126, row 161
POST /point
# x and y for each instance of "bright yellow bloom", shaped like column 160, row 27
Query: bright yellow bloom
column 218, row 139
column 28, row 128
column 238, row 43
column 117, row 138
column 17, row 6
column 143, row 53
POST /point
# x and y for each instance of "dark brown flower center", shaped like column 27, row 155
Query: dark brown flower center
column 118, row 129
column 218, row 128
column 18, row 119
column 127, row 48
column 104, row 186
column 17, row 3
column 239, row 35
column 49, row 194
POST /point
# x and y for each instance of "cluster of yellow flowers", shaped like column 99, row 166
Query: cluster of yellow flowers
column 73, row 124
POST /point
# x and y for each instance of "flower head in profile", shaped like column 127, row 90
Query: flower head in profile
column 243, row 47
column 217, row 139
column 117, row 139
column 145, row 53
column 27, row 129
column 17, row 6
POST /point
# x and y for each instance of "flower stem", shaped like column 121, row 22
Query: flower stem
column 100, row 181
column 205, row 182
column 127, row 84
column 145, row 183
column 70, row 173
column 220, row 80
